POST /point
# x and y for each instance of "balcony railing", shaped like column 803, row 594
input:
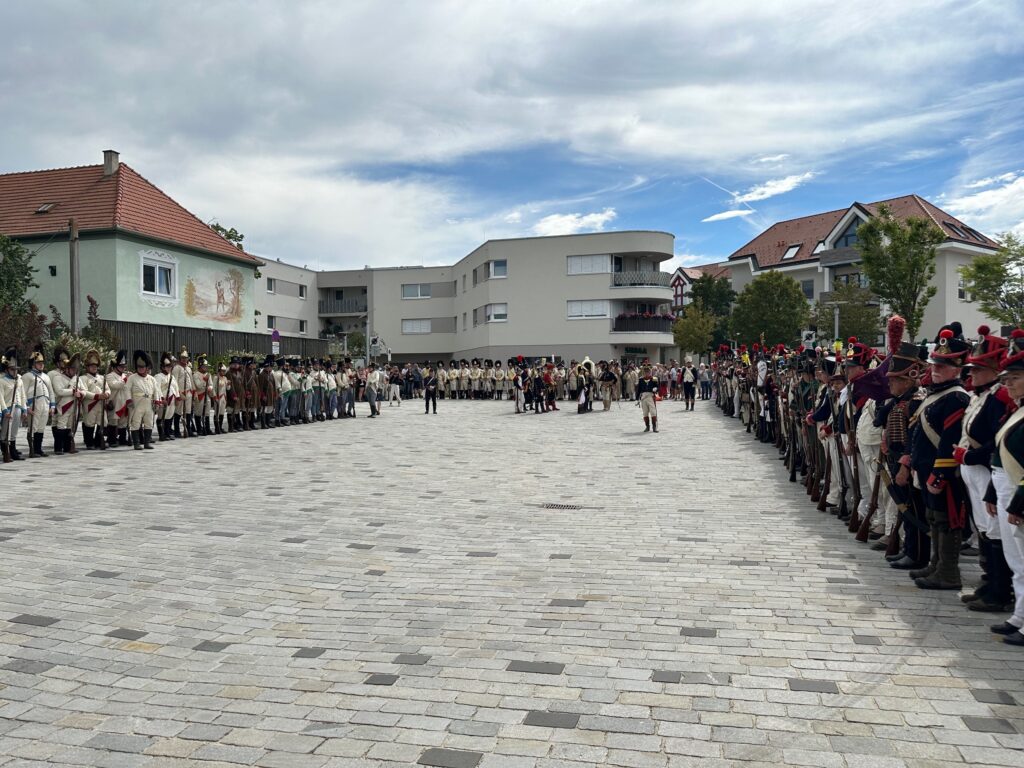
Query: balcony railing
column 641, row 279
column 640, row 324
column 342, row 307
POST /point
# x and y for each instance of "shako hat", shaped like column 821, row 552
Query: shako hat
column 858, row 353
column 1013, row 359
column 951, row 348
column 141, row 358
column 269, row 361
column 988, row 349
column 908, row 361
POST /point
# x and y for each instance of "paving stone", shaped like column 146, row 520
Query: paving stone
column 698, row 632
column 450, row 758
column 210, row 646
column 987, row 696
column 666, row 677
column 161, row 528
column 481, row 554
column 27, row 666
column 989, row 724
column 360, row 546
column 103, row 574
column 33, row 620
column 309, row 653
column 551, row 719
column 564, row 603
column 816, row 686
column 536, row 667
column 412, row 659
column 866, row 640
column 224, row 534
column 381, row 679
column 559, row 557
column 375, row 572
column 294, row 540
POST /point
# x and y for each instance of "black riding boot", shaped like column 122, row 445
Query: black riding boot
column 37, row 439
column 147, row 438
column 87, row 437
column 137, row 439
column 58, row 444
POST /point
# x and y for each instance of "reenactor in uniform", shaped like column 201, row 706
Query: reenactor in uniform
column 39, row 400
column 219, row 403
column 985, row 413
column 464, row 378
column 182, row 373
column 166, row 398
column 283, row 384
column 13, row 394
column 307, row 393
column 476, row 379
column 117, row 406
column 143, row 394
column 65, row 383
column 94, row 396
column 267, row 393
column 235, row 396
column 500, row 382
column 202, row 396
column 647, row 392
column 331, row 388
column 938, row 432
column 252, row 393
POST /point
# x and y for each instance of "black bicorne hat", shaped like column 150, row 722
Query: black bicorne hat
column 140, row 357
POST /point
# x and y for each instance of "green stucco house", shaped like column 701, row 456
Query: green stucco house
column 142, row 256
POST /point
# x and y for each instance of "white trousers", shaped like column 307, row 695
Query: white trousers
column 1013, row 541
column 976, row 479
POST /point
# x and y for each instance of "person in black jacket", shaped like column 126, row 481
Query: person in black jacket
column 429, row 390
column 647, row 393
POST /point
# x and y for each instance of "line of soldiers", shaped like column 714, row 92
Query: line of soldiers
column 179, row 399
column 917, row 452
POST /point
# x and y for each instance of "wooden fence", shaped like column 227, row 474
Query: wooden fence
column 155, row 339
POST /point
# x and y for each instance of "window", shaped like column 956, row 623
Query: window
column 791, row 251
column 271, row 321
column 416, row 326
column 476, row 316
column 956, row 230
column 157, row 279
column 302, row 291
column 475, row 277
column 808, row 288
column 463, row 283
column 463, row 318
column 499, row 269
column 416, row 291
column 271, row 285
column 589, row 265
column 302, row 326
column 819, row 247
column 581, row 309
column 339, row 295
column 616, row 263
column 849, row 236
column 961, row 289
column 975, row 234
column 496, row 313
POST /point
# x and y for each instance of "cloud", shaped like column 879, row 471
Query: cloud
column 514, row 218
column 729, row 215
column 774, row 187
column 997, row 209
column 988, row 182
column 772, row 159
column 686, row 260
column 572, row 223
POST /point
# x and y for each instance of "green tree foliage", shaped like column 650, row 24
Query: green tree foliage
column 694, row 330
column 996, row 281
column 714, row 293
column 232, row 235
column 899, row 262
column 859, row 315
column 16, row 273
column 356, row 344
column 773, row 304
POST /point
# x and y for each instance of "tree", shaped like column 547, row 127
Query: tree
column 773, row 304
column 693, row 331
column 232, row 235
column 714, row 293
column 899, row 262
column 996, row 281
column 859, row 314
column 356, row 344
column 16, row 272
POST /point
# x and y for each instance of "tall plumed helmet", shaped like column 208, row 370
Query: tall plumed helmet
column 202, row 360
column 120, row 358
column 1013, row 360
column 988, row 349
column 183, row 353
column 92, row 357
column 894, row 328
column 141, row 358
column 37, row 355
column 10, row 358
column 166, row 359
column 61, row 358
column 950, row 346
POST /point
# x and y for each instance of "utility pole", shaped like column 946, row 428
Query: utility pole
column 76, row 286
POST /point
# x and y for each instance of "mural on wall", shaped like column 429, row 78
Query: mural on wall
column 215, row 296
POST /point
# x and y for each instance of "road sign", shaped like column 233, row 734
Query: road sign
column 275, row 347
column 275, row 336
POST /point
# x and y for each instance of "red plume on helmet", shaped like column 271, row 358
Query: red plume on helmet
column 988, row 349
column 894, row 333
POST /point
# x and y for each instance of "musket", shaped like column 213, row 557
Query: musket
column 865, row 526
column 901, row 509
column 851, row 438
column 75, row 405
column 828, row 481
column 32, row 415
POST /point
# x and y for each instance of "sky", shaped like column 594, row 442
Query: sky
column 344, row 133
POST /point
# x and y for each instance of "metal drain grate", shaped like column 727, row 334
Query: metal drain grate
column 562, row 506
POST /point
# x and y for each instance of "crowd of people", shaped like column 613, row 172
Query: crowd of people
column 919, row 453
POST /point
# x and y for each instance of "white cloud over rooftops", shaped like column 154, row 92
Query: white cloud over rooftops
column 725, row 215
column 573, row 223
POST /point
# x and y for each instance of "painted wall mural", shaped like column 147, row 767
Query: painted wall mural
column 215, row 296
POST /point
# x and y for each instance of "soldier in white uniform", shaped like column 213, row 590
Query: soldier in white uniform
column 14, row 402
column 117, row 407
column 166, row 398
column 144, row 395
column 38, row 401
column 182, row 373
column 5, row 450
column 93, row 385
column 66, row 390
column 202, row 396
column 219, row 398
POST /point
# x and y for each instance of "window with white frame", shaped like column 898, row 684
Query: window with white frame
column 587, row 308
column 961, row 289
column 416, row 291
column 791, row 252
column 498, row 269
column 496, row 313
column 416, row 326
column 302, row 326
column 271, row 285
column 302, row 291
column 158, row 278
column 271, row 321
column 589, row 265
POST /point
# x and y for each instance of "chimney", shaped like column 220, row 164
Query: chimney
column 111, row 162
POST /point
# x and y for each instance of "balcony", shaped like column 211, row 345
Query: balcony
column 641, row 279
column 343, row 307
column 641, row 324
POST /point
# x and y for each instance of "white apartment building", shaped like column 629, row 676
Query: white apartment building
column 286, row 300
column 600, row 294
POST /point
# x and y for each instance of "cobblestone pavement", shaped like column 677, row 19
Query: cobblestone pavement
column 408, row 597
